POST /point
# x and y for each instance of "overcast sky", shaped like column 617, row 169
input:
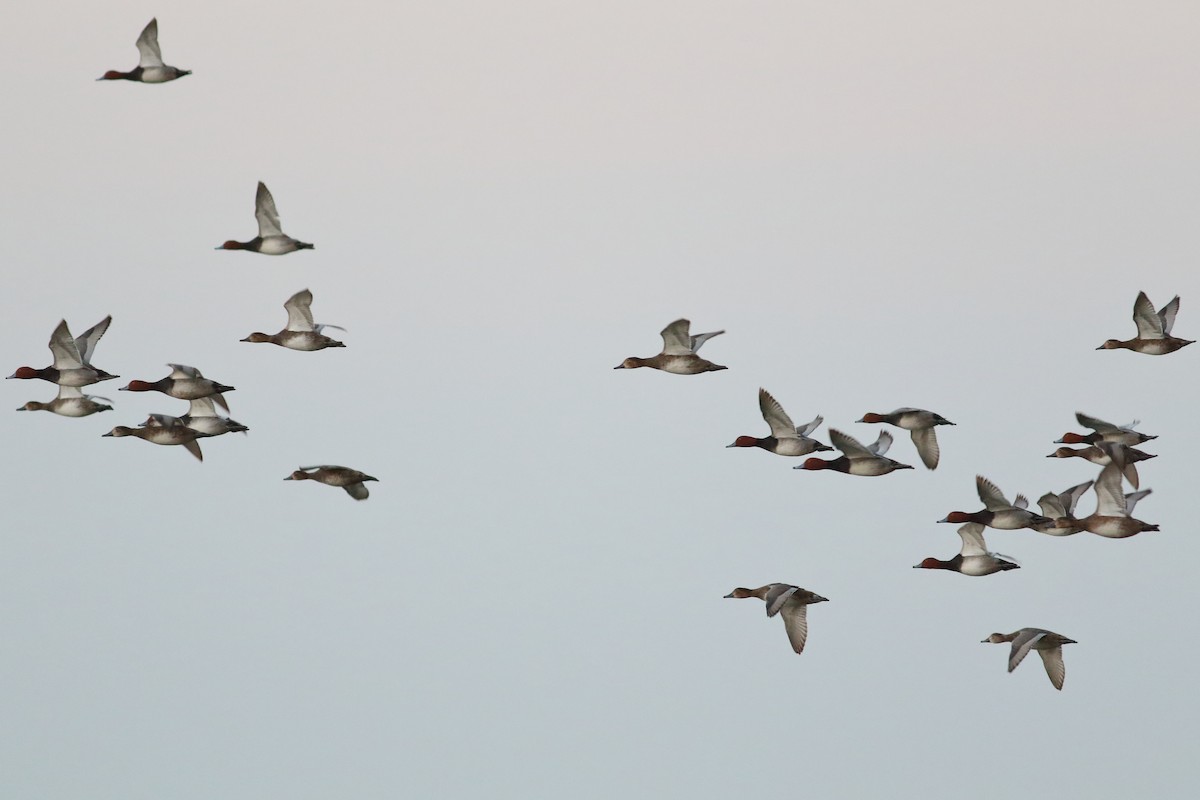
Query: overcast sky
column 939, row 204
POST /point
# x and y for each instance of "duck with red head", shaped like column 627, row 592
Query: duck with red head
column 1104, row 432
column 998, row 512
column 271, row 240
column 856, row 458
column 150, row 68
column 973, row 558
column 790, row 602
column 72, row 358
column 921, row 426
column 786, row 439
column 184, row 383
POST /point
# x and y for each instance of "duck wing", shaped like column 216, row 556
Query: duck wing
column 299, row 311
column 265, row 212
column 85, row 342
column 183, row 372
column 147, row 44
column 1149, row 323
column 676, row 339
column 991, row 496
column 1026, row 639
column 202, row 407
column 1052, row 659
column 1110, row 502
column 1070, row 498
column 972, row 540
column 1167, row 315
column 850, row 446
column 193, row 447
column 795, row 622
column 777, row 595
column 69, row 393
column 1052, row 506
column 1098, row 425
column 357, row 490
column 781, row 424
column 1132, row 499
column 62, row 347
column 807, row 428
column 882, row 444
column 926, row 442
column 700, row 338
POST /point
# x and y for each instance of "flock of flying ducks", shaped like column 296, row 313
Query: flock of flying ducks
column 1109, row 446
column 72, row 367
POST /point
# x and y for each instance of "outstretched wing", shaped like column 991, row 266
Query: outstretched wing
column 1022, row 645
column 1110, row 502
column 85, row 342
column 992, row 499
column 852, row 447
column 147, row 44
column 1053, row 661
column 781, row 424
column 299, row 311
column 972, row 540
column 795, row 622
column 700, row 338
column 1167, row 315
column 1098, row 425
column 927, row 446
column 676, row 340
column 62, row 347
column 265, row 213
column 882, row 443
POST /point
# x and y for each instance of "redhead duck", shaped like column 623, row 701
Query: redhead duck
column 857, row 459
column 349, row 479
column 998, row 513
column 974, row 557
column 786, row 438
column 72, row 358
column 172, row 432
column 1047, row 643
column 271, row 239
column 1154, row 329
column 678, row 355
column 150, row 68
column 1103, row 454
column 1060, row 511
column 184, row 383
column 1113, row 516
column 1104, row 432
column 301, row 333
column 202, row 417
column 70, row 403
column 791, row 602
column 921, row 424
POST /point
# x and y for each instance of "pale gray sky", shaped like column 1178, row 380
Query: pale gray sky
column 940, row 204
